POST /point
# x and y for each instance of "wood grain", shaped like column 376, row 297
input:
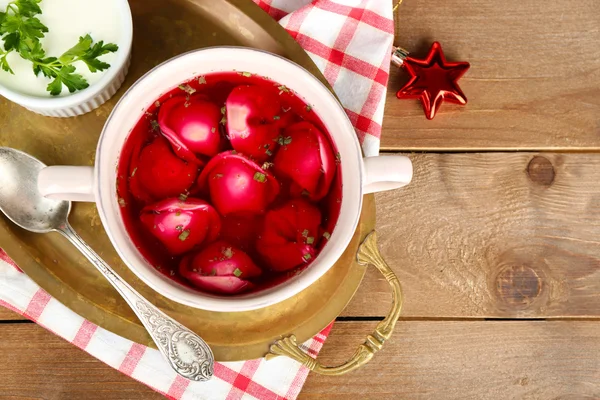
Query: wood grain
column 423, row 360
column 534, row 81
column 467, row 360
column 8, row 315
column 39, row 365
column 507, row 235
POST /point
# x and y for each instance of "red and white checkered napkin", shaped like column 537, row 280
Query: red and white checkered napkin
column 350, row 41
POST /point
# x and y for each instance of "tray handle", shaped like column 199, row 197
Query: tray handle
column 368, row 253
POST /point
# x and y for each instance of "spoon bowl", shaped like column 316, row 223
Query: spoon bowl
column 20, row 199
column 22, row 203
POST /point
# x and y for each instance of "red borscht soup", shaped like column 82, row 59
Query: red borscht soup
column 229, row 184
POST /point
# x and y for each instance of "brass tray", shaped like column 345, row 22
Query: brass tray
column 162, row 29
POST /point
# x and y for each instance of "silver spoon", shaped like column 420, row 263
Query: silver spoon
column 21, row 202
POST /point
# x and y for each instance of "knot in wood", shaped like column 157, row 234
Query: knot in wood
column 541, row 171
column 518, row 285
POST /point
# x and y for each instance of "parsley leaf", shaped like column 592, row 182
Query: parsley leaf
column 28, row 8
column 284, row 140
column 66, row 76
column 184, row 235
column 22, row 33
column 260, row 177
column 80, row 48
column 88, row 52
column 227, row 252
column 187, row 88
column 11, row 41
column 4, row 63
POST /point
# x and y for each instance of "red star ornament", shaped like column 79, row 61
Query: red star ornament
column 433, row 80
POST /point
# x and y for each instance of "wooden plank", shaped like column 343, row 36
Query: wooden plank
column 8, row 315
column 39, row 365
column 491, row 235
column 466, row 360
column 424, row 359
column 534, row 81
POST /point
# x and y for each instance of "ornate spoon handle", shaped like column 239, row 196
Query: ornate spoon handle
column 185, row 351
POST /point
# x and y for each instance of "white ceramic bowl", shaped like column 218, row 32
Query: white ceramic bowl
column 96, row 94
column 99, row 183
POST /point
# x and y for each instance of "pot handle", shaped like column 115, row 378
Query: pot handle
column 67, row 183
column 386, row 173
column 368, row 253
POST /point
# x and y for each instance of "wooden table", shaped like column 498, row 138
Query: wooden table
column 496, row 242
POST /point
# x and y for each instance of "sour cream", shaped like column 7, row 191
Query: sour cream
column 66, row 20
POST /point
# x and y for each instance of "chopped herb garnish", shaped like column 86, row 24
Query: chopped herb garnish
column 283, row 88
column 133, row 172
column 223, row 120
column 284, row 140
column 213, row 272
column 213, row 129
column 310, row 240
column 326, row 235
column 267, row 165
column 233, row 152
column 286, row 109
column 218, row 176
column 307, row 256
column 158, row 267
column 223, row 109
column 183, row 197
column 179, row 228
column 172, row 273
column 308, row 108
column 122, row 202
column 177, row 213
column 305, row 193
column 305, row 233
column 187, row 104
column 227, row 252
column 157, row 103
column 184, row 235
column 260, row 177
column 268, row 152
column 187, row 88
column 154, row 125
column 276, row 117
column 202, row 80
column 338, row 158
column 246, row 74
column 237, row 272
